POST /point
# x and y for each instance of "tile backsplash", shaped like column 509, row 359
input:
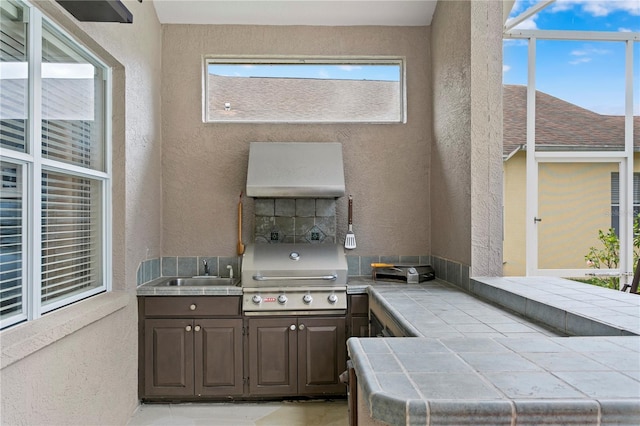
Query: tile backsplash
column 295, row 220
column 187, row 266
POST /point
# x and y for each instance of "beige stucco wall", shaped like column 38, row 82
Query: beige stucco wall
column 451, row 148
column 78, row 365
column 205, row 165
column 514, row 215
column 486, row 138
column 466, row 181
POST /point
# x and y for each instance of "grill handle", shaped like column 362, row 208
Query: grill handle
column 289, row 278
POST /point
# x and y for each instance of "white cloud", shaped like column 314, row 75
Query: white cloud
column 529, row 24
column 598, row 8
column 582, row 60
column 349, row 67
column 625, row 30
column 590, row 51
column 586, row 54
column 505, row 68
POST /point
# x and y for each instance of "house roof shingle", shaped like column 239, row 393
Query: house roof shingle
column 560, row 124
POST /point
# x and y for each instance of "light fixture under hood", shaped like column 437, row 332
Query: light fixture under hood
column 295, row 170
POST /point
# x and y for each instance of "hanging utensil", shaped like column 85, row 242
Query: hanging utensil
column 240, row 245
column 350, row 238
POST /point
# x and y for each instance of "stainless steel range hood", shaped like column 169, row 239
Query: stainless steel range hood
column 295, row 170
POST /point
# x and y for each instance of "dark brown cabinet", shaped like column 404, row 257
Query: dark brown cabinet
column 291, row 356
column 358, row 315
column 197, row 356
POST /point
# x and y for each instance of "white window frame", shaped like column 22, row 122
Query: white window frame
column 33, row 163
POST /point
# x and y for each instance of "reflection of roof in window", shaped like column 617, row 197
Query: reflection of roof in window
column 295, row 99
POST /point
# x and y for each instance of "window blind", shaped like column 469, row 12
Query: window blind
column 13, row 84
column 72, row 96
column 615, row 188
column 71, row 235
column 11, row 240
column 54, row 199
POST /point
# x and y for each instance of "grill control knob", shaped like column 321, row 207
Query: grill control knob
column 282, row 299
column 332, row 299
column 256, row 299
column 307, row 299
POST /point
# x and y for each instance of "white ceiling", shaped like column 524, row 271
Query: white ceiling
column 296, row 12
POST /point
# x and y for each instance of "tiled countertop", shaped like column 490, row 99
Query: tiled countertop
column 472, row 363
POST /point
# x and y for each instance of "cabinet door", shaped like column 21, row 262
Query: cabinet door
column 359, row 326
column 218, row 357
column 322, row 353
column 168, row 345
column 273, row 344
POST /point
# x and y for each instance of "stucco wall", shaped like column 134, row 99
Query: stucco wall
column 466, row 180
column 451, row 149
column 514, row 215
column 78, row 365
column 204, row 165
column 486, row 138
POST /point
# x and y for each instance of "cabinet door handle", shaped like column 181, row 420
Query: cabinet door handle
column 292, row 327
column 188, row 328
column 197, row 328
column 193, row 307
column 301, row 327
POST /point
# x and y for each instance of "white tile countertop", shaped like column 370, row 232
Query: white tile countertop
column 472, row 363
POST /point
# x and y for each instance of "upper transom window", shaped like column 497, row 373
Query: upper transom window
column 304, row 90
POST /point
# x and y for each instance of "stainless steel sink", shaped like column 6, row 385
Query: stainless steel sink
column 198, row 282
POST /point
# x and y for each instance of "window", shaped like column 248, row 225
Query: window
column 54, row 204
column 615, row 199
column 304, row 90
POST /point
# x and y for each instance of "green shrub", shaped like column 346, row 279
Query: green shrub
column 608, row 256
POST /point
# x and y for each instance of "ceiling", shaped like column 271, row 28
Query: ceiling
column 296, row 12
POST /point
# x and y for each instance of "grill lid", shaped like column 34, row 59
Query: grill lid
column 295, row 170
column 294, row 264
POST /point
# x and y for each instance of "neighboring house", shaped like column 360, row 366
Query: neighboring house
column 577, row 199
column 300, row 99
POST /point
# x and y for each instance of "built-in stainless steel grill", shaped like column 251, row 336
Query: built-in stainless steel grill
column 294, row 279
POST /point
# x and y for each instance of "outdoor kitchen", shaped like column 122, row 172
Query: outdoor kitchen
column 405, row 343
column 360, row 277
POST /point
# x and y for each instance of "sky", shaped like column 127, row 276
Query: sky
column 590, row 74
column 331, row 71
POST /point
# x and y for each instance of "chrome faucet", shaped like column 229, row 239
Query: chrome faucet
column 230, row 268
column 206, row 267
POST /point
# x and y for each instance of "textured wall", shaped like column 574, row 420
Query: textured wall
column 204, row 165
column 486, row 138
column 451, row 151
column 89, row 376
column 466, row 180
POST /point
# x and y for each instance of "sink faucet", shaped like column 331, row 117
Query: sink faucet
column 206, row 267
column 230, row 268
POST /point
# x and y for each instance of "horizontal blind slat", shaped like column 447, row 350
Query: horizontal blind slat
column 71, row 229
